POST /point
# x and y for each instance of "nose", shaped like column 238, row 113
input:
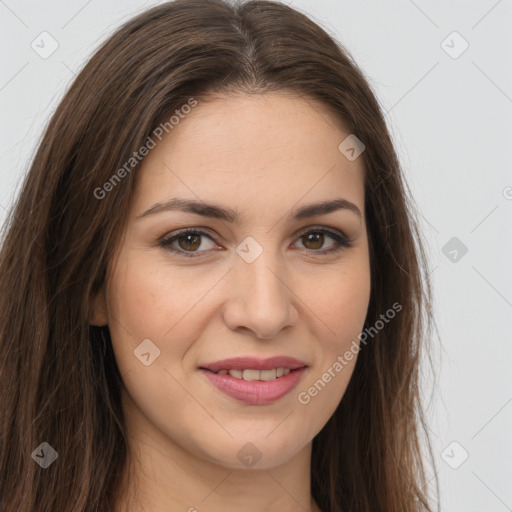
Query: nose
column 260, row 300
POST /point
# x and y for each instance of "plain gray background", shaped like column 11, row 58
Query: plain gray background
column 449, row 111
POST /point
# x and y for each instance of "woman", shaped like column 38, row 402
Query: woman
column 212, row 295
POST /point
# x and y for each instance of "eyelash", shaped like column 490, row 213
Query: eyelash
column 340, row 239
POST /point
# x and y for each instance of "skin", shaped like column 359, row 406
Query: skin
column 264, row 155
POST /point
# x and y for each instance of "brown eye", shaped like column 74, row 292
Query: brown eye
column 313, row 240
column 189, row 242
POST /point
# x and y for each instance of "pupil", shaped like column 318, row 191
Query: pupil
column 187, row 238
column 316, row 238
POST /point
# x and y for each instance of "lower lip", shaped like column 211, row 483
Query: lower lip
column 255, row 392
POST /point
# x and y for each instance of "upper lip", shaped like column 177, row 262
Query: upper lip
column 254, row 363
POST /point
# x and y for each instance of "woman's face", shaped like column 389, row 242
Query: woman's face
column 254, row 286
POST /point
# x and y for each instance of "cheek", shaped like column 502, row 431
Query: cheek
column 142, row 306
column 339, row 302
column 149, row 298
column 339, row 308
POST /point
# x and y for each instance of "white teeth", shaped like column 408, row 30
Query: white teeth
column 251, row 375
column 268, row 374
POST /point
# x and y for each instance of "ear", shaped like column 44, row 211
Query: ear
column 99, row 309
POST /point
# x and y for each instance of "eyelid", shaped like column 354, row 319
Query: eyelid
column 322, row 227
column 341, row 239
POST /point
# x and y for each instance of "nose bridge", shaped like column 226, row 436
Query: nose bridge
column 258, row 296
column 261, row 278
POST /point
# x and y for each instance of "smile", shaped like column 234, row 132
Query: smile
column 254, row 390
column 251, row 375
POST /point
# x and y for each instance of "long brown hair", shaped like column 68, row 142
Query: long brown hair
column 57, row 386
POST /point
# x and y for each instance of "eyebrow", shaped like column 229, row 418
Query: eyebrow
column 233, row 216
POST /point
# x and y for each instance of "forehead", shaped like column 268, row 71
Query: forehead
column 256, row 150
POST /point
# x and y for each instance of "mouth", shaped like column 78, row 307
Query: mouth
column 255, row 381
column 250, row 363
column 251, row 374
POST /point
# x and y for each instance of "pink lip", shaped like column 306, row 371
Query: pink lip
column 255, row 392
column 254, row 363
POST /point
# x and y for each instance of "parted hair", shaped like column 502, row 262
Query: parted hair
column 59, row 386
